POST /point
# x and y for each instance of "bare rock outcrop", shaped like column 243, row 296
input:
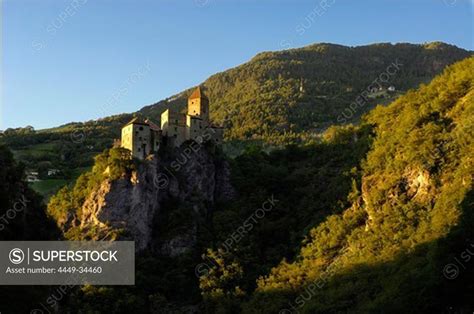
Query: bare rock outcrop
column 193, row 175
column 415, row 183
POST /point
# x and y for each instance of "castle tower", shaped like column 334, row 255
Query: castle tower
column 198, row 105
column 141, row 138
column 173, row 126
column 136, row 137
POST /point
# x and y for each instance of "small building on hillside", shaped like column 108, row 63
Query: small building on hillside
column 53, row 172
column 32, row 176
column 144, row 137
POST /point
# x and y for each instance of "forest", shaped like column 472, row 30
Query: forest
column 378, row 212
column 275, row 99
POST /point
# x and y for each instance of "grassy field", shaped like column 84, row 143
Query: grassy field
column 47, row 151
column 47, row 188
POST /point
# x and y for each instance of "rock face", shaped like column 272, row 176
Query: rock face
column 416, row 184
column 192, row 176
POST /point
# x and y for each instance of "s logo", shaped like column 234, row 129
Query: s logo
column 16, row 256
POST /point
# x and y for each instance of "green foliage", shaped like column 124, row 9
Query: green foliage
column 364, row 218
column 111, row 165
column 70, row 148
column 223, row 278
column 162, row 286
column 286, row 97
column 305, row 184
column 91, row 299
column 259, row 101
column 48, row 187
column 22, row 218
column 388, row 250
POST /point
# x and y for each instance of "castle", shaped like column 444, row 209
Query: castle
column 143, row 137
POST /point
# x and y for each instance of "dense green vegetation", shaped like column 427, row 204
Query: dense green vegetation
column 363, row 218
column 412, row 216
column 111, row 165
column 363, row 221
column 21, row 212
column 22, row 217
column 48, row 187
column 70, row 149
column 275, row 99
column 306, row 185
column 286, row 96
column 317, row 175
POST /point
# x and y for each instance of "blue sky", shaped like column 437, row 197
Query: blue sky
column 76, row 60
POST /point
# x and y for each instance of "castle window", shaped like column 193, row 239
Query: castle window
column 140, row 138
column 140, row 128
column 138, row 149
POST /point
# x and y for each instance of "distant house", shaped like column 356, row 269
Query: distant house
column 373, row 90
column 32, row 176
column 391, row 88
column 53, row 172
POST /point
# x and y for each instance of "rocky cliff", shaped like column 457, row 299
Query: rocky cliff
column 185, row 181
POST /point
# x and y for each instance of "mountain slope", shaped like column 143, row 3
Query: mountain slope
column 385, row 205
column 398, row 246
column 386, row 208
column 277, row 96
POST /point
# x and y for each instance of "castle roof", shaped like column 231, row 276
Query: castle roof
column 136, row 120
column 198, row 94
column 152, row 125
